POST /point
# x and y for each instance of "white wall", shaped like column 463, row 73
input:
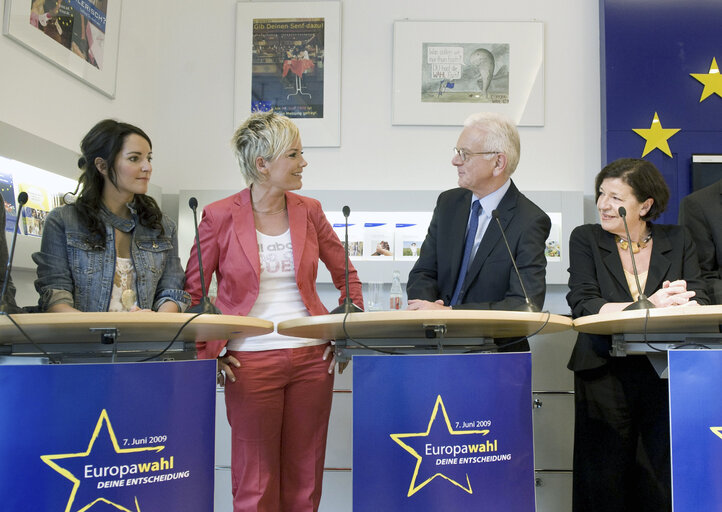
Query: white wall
column 39, row 98
column 176, row 73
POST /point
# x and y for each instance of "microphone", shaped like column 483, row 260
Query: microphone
column 205, row 306
column 529, row 306
column 22, row 199
column 347, row 306
column 642, row 301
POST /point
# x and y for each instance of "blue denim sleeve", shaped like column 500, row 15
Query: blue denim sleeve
column 55, row 281
column 170, row 285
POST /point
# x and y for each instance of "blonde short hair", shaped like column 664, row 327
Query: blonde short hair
column 264, row 134
column 501, row 135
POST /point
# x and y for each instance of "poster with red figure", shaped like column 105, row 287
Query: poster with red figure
column 288, row 66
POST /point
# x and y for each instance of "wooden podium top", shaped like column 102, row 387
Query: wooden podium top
column 146, row 326
column 415, row 324
column 682, row 319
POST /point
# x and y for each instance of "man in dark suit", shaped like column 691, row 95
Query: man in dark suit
column 701, row 213
column 458, row 244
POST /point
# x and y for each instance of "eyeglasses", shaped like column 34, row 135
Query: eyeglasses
column 465, row 155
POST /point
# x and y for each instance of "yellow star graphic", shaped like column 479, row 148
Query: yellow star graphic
column 49, row 460
column 413, row 488
column 656, row 137
column 717, row 431
column 712, row 81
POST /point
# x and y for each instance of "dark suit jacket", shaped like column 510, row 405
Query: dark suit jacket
column 701, row 213
column 491, row 282
column 596, row 277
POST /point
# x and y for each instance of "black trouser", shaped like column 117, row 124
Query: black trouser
column 621, row 438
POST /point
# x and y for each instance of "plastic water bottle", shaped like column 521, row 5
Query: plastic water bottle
column 396, row 293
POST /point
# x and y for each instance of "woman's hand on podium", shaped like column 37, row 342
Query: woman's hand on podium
column 137, row 309
column 672, row 294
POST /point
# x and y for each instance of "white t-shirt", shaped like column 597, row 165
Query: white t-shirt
column 278, row 296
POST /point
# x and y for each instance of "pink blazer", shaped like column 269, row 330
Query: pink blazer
column 229, row 248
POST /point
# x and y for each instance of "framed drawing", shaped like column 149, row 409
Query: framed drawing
column 447, row 70
column 288, row 60
column 78, row 36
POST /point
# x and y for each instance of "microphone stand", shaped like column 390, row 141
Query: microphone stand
column 642, row 301
column 4, row 306
column 348, row 306
column 528, row 306
column 205, row 306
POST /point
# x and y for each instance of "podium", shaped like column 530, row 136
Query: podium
column 445, row 331
column 396, row 400
column 73, row 337
column 655, row 331
column 693, row 396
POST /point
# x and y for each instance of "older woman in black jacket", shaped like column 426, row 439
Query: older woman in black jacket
column 621, row 439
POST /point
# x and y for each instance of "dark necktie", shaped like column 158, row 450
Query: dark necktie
column 470, row 235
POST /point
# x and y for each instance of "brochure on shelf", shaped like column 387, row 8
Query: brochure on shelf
column 379, row 236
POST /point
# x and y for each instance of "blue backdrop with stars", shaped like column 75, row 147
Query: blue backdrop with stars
column 649, row 52
column 56, row 421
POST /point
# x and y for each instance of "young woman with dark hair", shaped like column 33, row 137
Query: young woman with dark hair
column 112, row 249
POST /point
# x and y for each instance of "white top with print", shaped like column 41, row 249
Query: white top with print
column 278, row 297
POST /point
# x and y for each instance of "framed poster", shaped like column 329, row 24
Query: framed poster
column 288, row 60
column 446, row 70
column 78, row 36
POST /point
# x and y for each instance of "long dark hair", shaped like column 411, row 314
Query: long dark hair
column 105, row 140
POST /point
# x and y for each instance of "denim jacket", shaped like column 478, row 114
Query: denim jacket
column 74, row 270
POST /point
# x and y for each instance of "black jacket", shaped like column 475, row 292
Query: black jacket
column 596, row 277
column 701, row 213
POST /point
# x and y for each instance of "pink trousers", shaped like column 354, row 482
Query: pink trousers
column 278, row 410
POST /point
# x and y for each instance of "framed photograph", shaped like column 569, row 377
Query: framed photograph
column 288, row 60
column 446, row 70
column 78, row 36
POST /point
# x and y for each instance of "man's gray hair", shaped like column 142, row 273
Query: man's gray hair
column 501, row 135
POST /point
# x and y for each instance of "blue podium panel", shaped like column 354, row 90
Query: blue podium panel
column 443, row 432
column 129, row 437
column 695, row 378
